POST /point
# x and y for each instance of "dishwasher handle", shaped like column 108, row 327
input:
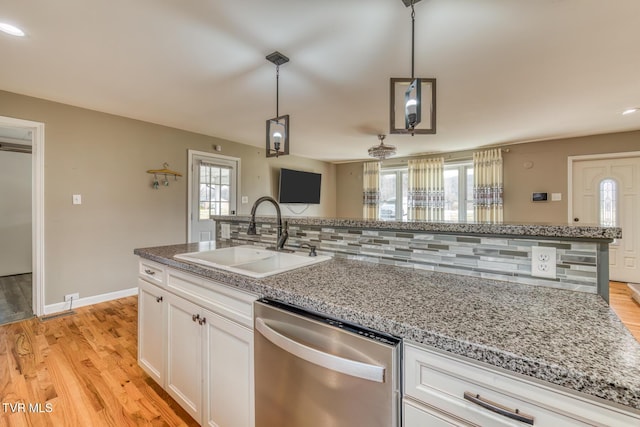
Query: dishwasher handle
column 326, row 360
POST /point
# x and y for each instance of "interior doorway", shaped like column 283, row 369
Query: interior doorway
column 605, row 190
column 16, row 297
column 18, row 137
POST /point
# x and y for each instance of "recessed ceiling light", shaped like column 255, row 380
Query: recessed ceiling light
column 11, row 29
column 629, row 111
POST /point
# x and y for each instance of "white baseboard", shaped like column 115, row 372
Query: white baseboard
column 81, row 302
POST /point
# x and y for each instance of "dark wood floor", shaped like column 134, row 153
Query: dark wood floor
column 15, row 298
column 81, row 370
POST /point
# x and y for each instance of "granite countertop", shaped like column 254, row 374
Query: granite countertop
column 561, row 231
column 567, row 338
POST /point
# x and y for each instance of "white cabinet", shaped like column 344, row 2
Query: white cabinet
column 229, row 373
column 151, row 314
column 443, row 389
column 196, row 341
column 185, row 334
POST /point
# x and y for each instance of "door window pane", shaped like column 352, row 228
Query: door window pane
column 214, row 190
column 608, row 203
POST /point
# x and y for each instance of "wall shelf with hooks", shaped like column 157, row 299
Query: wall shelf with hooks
column 164, row 171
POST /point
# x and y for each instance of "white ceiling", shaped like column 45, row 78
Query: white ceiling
column 507, row 70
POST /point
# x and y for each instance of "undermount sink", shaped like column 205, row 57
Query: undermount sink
column 250, row 260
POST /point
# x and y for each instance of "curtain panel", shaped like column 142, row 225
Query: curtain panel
column 425, row 192
column 488, row 185
column 371, row 190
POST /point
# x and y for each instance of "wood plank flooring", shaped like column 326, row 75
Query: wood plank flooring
column 81, row 370
column 15, row 298
column 627, row 309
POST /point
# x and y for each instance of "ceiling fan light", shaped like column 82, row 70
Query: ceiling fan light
column 382, row 151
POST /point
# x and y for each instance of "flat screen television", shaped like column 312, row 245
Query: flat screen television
column 299, row 187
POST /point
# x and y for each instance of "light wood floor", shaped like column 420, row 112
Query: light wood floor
column 15, row 298
column 627, row 309
column 82, row 371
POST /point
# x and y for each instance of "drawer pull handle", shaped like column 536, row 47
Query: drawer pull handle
column 202, row 321
column 514, row 414
column 195, row 317
column 149, row 272
column 158, row 299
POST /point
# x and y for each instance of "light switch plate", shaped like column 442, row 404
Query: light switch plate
column 556, row 197
column 543, row 262
column 245, row 200
column 77, row 199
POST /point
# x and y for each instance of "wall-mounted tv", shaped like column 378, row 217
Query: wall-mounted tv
column 299, row 187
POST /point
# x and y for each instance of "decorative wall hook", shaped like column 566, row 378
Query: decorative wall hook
column 164, row 171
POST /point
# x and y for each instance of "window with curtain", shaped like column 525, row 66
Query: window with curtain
column 371, row 190
column 425, row 192
column 393, row 194
column 458, row 191
column 488, row 186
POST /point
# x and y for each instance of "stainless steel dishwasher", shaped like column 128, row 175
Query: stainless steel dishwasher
column 312, row 370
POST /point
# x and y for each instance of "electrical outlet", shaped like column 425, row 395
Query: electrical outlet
column 225, row 231
column 543, row 262
column 70, row 297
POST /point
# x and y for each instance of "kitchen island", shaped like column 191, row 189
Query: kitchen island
column 569, row 339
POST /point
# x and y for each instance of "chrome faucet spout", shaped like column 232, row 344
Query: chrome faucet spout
column 281, row 237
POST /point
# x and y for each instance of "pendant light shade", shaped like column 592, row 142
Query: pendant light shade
column 278, row 136
column 413, row 98
column 277, row 141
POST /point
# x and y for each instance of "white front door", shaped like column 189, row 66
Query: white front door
column 606, row 192
column 213, row 191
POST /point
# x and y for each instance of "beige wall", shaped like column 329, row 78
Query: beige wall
column 349, row 192
column 547, row 173
column 89, row 247
column 15, row 213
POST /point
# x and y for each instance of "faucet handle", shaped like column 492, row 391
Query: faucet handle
column 312, row 248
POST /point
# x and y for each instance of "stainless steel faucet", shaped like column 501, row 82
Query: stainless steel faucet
column 283, row 234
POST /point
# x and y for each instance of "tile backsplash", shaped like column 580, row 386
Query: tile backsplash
column 499, row 258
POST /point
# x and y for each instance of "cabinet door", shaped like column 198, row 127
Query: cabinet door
column 151, row 330
column 229, row 373
column 184, row 354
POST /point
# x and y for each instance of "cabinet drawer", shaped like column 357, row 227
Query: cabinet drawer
column 416, row 415
column 151, row 272
column 441, row 380
column 228, row 302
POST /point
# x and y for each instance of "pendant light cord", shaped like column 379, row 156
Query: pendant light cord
column 277, row 91
column 413, row 37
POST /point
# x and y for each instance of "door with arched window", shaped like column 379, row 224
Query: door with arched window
column 607, row 192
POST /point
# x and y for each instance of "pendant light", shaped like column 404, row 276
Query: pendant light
column 419, row 95
column 278, row 127
column 382, row 151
